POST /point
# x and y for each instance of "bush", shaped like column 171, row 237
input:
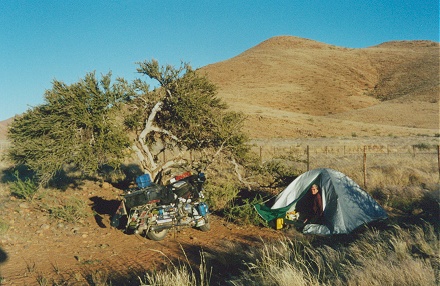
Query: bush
column 283, row 171
column 23, row 189
column 67, row 209
column 422, row 146
column 220, row 195
column 245, row 213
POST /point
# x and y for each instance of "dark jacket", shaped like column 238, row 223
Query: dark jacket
column 310, row 208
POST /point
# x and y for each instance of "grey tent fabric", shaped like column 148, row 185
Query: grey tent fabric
column 346, row 206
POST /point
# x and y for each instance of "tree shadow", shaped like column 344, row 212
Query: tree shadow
column 102, row 207
column 72, row 177
column 9, row 175
column 3, row 256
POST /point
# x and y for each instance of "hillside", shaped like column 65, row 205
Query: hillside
column 4, row 128
column 292, row 87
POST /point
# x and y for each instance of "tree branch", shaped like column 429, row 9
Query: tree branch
column 237, row 172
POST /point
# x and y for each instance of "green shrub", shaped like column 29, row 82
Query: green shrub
column 23, row 189
column 245, row 213
column 220, row 195
column 69, row 210
column 282, row 170
column 422, row 146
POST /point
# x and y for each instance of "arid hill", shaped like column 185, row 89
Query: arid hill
column 4, row 128
column 292, row 87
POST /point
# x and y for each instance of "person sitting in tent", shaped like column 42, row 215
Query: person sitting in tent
column 310, row 207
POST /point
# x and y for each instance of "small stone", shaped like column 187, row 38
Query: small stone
column 45, row 226
column 24, row 206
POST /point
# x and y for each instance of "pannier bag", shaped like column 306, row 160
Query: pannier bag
column 143, row 196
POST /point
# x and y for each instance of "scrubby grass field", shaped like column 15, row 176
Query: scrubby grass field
column 396, row 256
column 401, row 251
column 404, row 250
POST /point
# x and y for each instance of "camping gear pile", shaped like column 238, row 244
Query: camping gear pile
column 152, row 209
column 345, row 205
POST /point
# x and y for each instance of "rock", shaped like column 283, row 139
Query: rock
column 45, row 226
column 24, row 206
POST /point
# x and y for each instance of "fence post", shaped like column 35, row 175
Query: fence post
column 308, row 158
column 438, row 160
column 365, row 167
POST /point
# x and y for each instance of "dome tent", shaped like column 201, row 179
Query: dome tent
column 346, row 206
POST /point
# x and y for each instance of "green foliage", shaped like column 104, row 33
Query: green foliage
column 23, row 189
column 191, row 116
column 70, row 209
column 282, row 171
column 83, row 126
column 245, row 212
column 220, row 194
column 422, row 146
column 76, row 125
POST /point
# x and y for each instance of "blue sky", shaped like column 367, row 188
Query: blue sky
column 44, row 40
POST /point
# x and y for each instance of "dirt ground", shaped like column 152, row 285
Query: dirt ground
column 37, row 248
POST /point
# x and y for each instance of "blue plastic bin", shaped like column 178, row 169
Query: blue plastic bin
column 143, row 181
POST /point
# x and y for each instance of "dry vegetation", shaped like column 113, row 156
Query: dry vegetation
column 296, row 93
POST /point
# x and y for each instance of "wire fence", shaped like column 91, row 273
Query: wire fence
column 354, row 160
column 357, row 161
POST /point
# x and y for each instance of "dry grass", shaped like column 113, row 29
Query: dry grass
column 181, row 273
column 393, row 257
column 396, row 256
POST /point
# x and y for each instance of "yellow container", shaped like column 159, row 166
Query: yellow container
column 280, row 222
